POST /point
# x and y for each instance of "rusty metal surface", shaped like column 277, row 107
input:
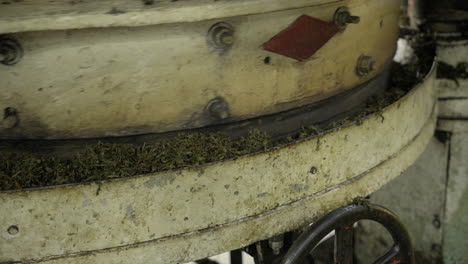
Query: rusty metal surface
column 302, row 38
column 187, row 214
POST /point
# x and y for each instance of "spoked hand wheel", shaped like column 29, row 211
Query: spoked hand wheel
column 341, row 221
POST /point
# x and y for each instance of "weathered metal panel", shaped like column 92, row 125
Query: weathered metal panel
column 418, row 198
column 453, row 93
column 38, row 15
column 125, row 81
column 452, row 53
column 454, row 108
column 190, row 213
column 455, row 243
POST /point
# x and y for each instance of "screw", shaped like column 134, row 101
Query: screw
column 218, row 108
column 462, row 70
column 276, row 243
column 343, row 17
column 10, row 51
column 365, row 65
column 13, row 230
column 436, row 248
column 10, row 119
column 436, row 221
column 221, row 36
column 313, row 170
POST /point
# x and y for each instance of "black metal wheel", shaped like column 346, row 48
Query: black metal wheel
column 341, row 221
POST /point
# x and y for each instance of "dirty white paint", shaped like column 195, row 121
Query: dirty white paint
column 20, row 16
column 122, row 81
column 178, row 216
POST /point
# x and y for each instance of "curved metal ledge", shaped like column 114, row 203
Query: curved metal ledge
column 177, row 216
column 38, row 15
column 70, row 84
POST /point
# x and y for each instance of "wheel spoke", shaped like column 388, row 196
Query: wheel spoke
column 391, row 257
column 236, row 256
column 344, row 245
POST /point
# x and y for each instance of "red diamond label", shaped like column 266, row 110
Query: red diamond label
column 302, row 39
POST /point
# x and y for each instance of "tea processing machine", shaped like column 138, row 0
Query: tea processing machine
column 75, row 73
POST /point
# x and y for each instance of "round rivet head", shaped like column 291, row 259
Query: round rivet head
column 10, row 118
column 11, row 51
column 13, row 230
column 343, row 17
column 218, row 108
column 221, row 36
column 365, row 65
column 313, row 170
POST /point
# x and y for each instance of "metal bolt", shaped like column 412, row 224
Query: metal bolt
column 462, row 70
column 343, row 17
column 221, row 36
column 365, row 65
column 276, row 243
column 436, row 221
column 218, row 108
column 10, row 51
column 10, row 119
column 313, row 170
column 13, row 230
column 436, row 248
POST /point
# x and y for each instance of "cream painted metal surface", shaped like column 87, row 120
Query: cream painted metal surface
column 125, row 81
column 38, row 15
column 187, row 214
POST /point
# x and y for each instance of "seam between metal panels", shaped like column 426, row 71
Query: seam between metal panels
column 272, row 211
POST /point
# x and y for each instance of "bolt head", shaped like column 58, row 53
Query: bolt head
column 343, row 17
column 221, row 36
column 218, row 108
column 13, row 230
column 11, row 51
column 365, row 65
column 313, row 170
column 10, row 119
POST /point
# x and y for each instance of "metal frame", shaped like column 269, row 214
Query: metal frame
column 231, row 204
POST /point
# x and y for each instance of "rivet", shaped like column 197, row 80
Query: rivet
column 365, row 65
column 343, row 17
column 13, row 230
column 313, row 170
column 436, row 221
column 10, row 51
column 221, row 36
column 218, row 108
column 10, row 118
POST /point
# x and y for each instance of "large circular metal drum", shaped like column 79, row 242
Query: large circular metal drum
column 130, row 71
